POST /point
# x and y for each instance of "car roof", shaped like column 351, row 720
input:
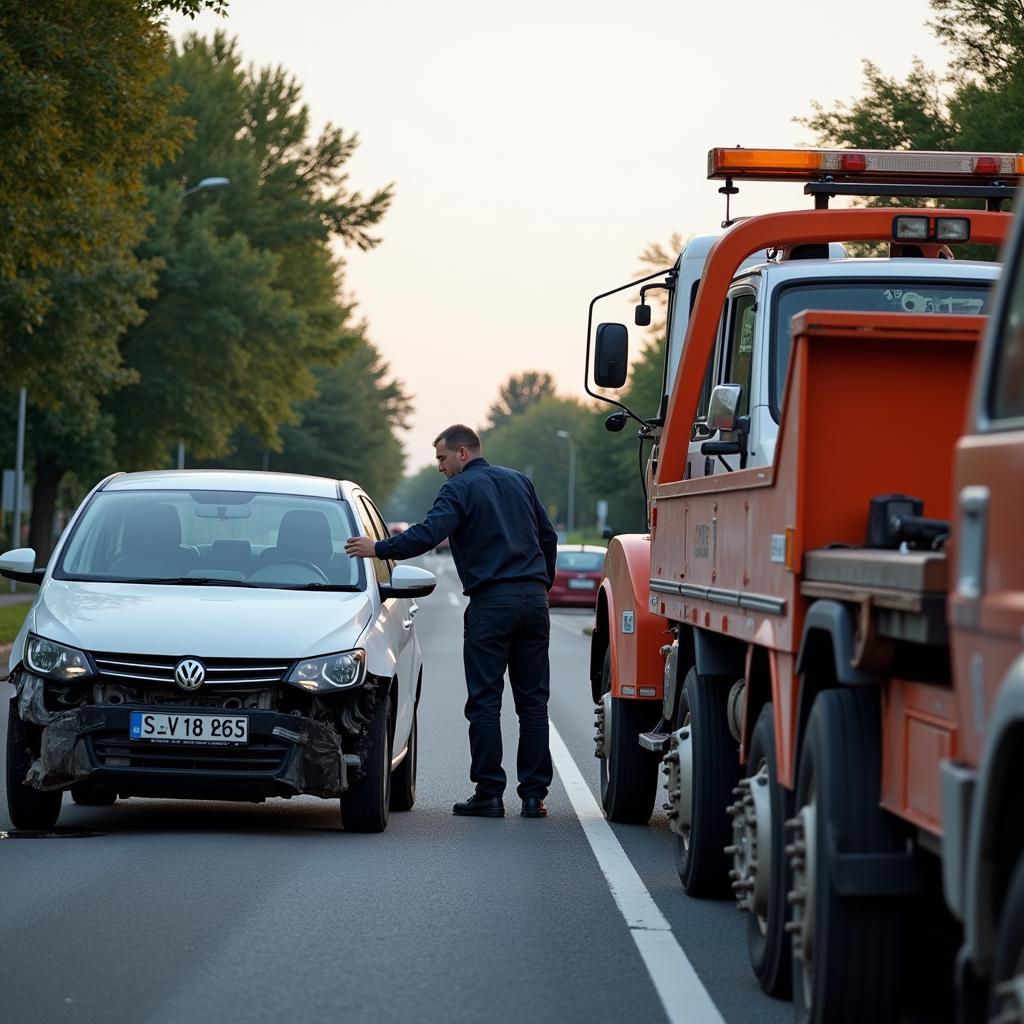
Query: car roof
column 230, row 480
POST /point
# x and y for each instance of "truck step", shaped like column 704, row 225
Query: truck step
column 656, row 742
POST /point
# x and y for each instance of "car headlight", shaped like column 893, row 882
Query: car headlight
column 51, row 660
column 339, row 671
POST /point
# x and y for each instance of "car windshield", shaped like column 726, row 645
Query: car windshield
column 878, row 296
column 213, row 538
column 580, row 561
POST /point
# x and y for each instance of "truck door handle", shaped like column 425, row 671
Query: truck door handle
column 970, row 575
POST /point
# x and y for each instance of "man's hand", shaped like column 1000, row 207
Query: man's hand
column 359, row 547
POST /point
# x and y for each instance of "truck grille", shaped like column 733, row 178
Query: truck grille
column 159, row 669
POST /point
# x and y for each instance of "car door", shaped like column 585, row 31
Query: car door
column 398, row 614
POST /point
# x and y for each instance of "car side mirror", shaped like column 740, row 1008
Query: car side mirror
column 611, row 355
column 408, row 581
column 20, row 565
column 724, row 407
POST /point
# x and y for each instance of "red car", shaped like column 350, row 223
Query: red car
column 577, row 575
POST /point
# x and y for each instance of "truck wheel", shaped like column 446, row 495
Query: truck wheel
column 629, row 774
column 760, row 871
column 403, row 780
column 1008, row 969
column 847, row 951
column 366, row 802
column 86, row 795
column 28, row 808
column 708, row 770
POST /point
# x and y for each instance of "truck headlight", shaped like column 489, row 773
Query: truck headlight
column 339, row 671
column 52, row 660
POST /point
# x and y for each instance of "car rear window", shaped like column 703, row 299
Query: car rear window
column 580, row 561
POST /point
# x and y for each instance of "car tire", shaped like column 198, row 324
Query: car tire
column 629, row 774
column 27, row 807
column 366, row 802
column 403, row 778
column 86, row 795
column 847, row 951
column 768, row 944
column 1008, row 968
column 700, row 857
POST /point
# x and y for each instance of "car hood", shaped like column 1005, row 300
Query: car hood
column 212, row 622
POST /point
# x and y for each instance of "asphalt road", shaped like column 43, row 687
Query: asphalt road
column 172, row 911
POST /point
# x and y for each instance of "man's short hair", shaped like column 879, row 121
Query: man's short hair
column 458, row 436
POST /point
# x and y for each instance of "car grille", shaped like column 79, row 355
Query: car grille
column 111, row 752
column 159, row 669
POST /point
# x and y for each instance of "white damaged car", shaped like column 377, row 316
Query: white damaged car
column 204, row 634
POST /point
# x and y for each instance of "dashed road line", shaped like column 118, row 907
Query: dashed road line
column 682, row 994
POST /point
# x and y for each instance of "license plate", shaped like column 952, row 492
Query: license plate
column 581, row 584
column 161, row 728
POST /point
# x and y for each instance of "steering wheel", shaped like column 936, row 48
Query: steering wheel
column 305, row 565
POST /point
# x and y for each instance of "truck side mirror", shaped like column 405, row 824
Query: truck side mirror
column 642, row 315
column 724, row 406
column 611, row 355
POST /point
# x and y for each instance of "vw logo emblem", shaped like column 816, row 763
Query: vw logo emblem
column 190, row 674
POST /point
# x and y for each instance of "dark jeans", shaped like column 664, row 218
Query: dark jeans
column 507, row 626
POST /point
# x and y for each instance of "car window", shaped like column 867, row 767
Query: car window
column 375, row 528
column 580, row 561
column 268, row 540
column 1006, row 394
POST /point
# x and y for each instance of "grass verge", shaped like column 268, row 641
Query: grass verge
column 11, row 618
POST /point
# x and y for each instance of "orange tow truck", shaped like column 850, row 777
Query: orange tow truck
column 780, row 639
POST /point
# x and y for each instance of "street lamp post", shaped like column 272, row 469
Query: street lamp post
column 572, row 479
column 203, row 185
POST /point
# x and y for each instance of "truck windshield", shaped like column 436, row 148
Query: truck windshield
column 879, row 296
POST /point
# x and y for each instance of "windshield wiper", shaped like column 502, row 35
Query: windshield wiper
column 184, row 581
column 346, row 587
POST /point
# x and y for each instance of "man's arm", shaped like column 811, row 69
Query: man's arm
column 547, row 536
column 444, row 515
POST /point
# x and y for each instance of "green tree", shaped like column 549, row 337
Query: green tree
column 529, row 442
column 347, row 430
column 518, row 393
column 414, row 495
column 85, row 111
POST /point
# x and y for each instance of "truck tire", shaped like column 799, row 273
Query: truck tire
column 366, row 802
column 847, row 951
column 1008, row 968
column 768, row 942
column 629, row 774
column 709, row 779
column 403, row 778
column 28, row 808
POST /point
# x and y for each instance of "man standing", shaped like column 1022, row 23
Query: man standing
column 504, row 547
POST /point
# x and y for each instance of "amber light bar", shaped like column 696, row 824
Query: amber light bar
column 890, row 165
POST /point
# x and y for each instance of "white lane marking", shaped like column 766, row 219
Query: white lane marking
column 453, row 598
column 683, row 995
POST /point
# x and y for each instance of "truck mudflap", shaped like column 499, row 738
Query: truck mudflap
column 626, row 627
column 312, row 759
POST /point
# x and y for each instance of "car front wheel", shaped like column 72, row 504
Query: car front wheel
column 366, row 802
column 28, row 807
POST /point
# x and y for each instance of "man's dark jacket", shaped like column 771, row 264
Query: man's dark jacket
column 498, row 530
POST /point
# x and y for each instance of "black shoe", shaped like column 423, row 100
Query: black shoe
column 481, row 807
column 533, row 807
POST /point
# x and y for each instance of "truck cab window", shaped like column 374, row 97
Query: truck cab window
column 1007, row 368
column 741, row 347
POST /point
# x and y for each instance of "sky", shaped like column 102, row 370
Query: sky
column 538, row 148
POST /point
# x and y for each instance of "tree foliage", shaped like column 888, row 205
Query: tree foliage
column 518, row 393
column 347, row 430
